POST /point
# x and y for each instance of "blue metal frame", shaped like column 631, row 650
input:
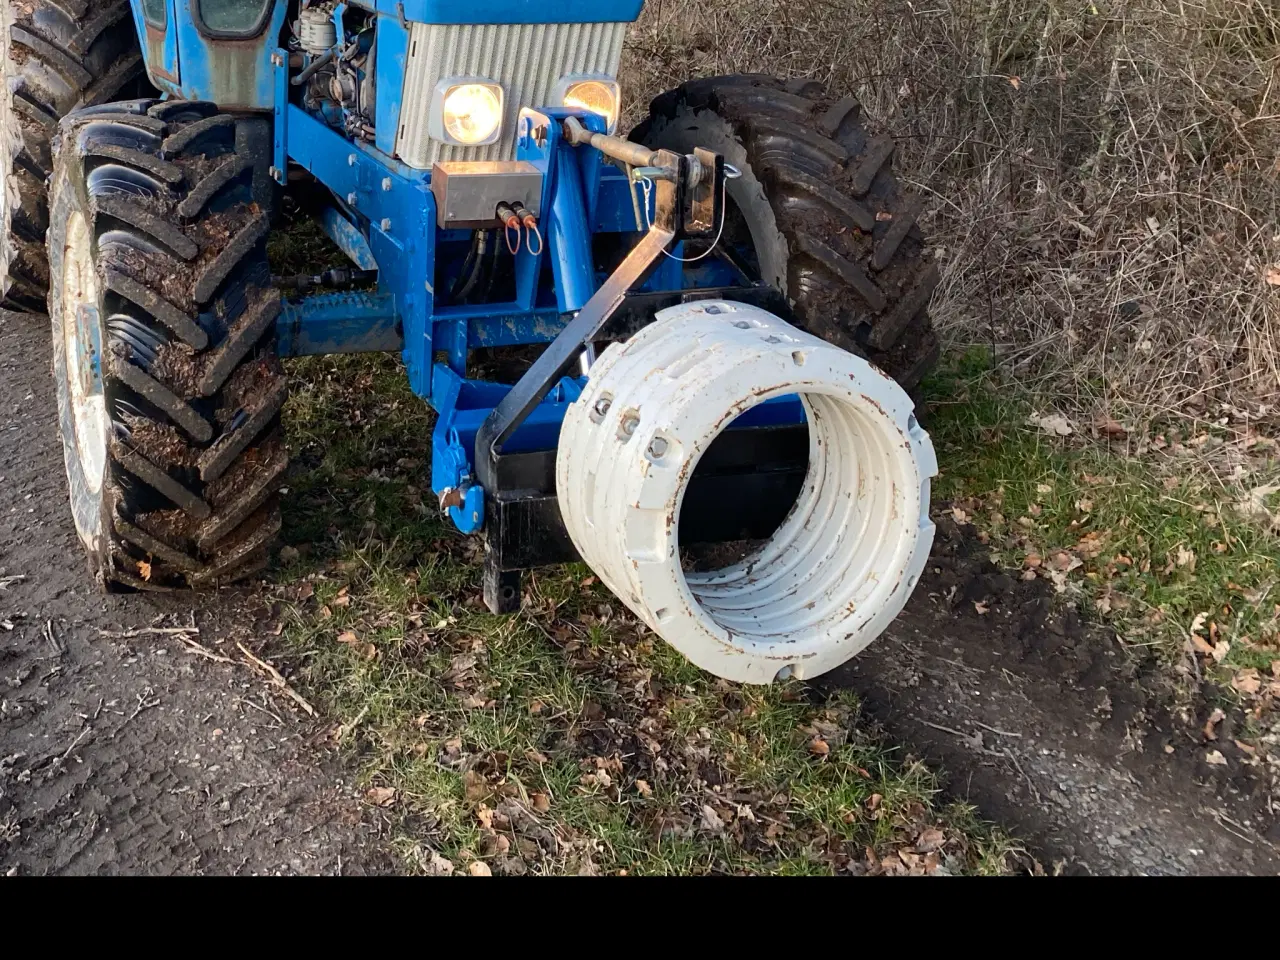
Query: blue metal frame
column 383, row 216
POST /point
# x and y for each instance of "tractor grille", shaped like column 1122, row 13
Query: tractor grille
column 527, row 59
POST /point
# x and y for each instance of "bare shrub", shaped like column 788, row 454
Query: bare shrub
column 1104, row 176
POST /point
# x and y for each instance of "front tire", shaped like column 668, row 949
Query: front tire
column 819, row 208
column 163, row 314
column 56, row 56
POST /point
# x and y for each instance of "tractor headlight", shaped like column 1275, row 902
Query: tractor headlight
column 467, row 112
column 597, row 94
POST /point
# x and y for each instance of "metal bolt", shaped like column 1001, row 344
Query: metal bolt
column 742, row 325
column 713, row 309
column 351, row 160
column 386, row 184
column 352, row 199
column 277, row 60
column 602, row 406
column 276, row 174
column 630, row 425
column 657, row 449
column 386, row 225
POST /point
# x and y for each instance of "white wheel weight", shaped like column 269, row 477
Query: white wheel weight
column 844, row 561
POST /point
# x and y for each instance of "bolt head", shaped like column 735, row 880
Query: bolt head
column 351, row 160
column 713, row 309
column 658, row 448
column 386, row 184
column 277, row 60
column 352, row 199
column 630, row 425
column 386, row 225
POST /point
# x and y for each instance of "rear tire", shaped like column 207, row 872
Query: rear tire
column 163, row 314
column 828, row 222
column 55, row 57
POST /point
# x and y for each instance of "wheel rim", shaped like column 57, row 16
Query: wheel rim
column 83, row 340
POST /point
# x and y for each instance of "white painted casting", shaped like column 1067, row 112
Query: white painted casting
column 838, row 569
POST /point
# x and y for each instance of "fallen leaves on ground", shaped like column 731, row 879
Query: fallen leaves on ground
column 1054, row 424
column 381, row 796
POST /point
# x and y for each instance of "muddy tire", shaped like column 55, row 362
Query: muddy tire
column 169, row 387
column 819, row 208
column 55, row 57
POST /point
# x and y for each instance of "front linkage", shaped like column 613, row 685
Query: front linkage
column 523, row 526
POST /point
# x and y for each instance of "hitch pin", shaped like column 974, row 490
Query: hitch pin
column 653, row 173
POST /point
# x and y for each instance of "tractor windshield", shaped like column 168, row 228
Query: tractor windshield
column 241, row 18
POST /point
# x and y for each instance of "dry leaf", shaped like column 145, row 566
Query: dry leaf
column 819, row 747
column 1272, row 275
column 541, row 802
column 1112, row 429
column 381, row 796
column 643, row 788
column 1254, row 505
column 348, row 637
column 711, row 821
column 1055, row 424
column 1015, row 82
column 959, row 515
column 931, row 840
column 1044, row 488
column 144, row 569
column 981, row 607
column 883, row 216
column 474, row 786
column 480, row 869
column 1211, row 725
column 1215, row 759
column 436, row 865
column 1198, row 623
column 1247, row 682
column 1065, row 562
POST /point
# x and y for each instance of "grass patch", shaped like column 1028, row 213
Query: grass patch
column 1174, row 558
column 568, row 738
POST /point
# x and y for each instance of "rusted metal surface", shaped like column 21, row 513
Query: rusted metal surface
column 838, row 569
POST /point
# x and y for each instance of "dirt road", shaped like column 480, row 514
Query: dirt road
column 1057, row 733
column 130, row 755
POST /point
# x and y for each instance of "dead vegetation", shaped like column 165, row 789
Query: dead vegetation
column 1104, row 176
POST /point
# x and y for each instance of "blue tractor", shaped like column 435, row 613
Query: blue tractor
column 703, row 333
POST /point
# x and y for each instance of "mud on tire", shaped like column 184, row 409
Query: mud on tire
column 175, row 318
column 828, row 222
column 55, row 56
